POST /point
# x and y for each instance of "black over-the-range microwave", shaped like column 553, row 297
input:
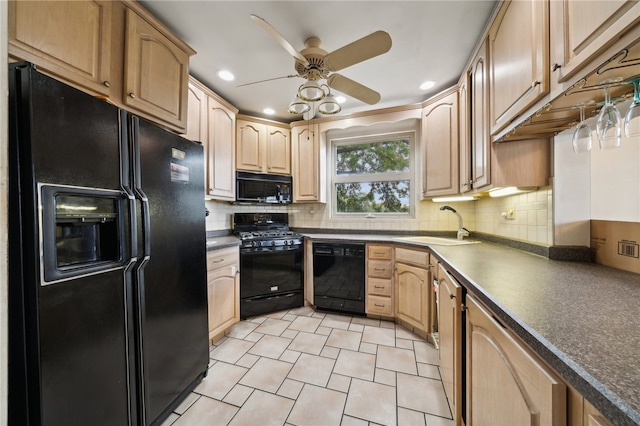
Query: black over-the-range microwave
column 263, row 188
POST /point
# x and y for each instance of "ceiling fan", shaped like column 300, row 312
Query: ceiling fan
column 313, row 63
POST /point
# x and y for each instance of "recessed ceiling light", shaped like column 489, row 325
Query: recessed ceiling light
column 269, row 111
column 341, row 99
column 226, row 75
column 427, row 85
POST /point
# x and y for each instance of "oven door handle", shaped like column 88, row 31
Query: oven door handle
column 256, row 251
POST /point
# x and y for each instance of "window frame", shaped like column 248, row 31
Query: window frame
column 409, row 175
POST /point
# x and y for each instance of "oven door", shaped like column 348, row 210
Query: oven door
column 270, row 280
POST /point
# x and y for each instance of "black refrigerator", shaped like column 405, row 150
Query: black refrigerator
column 107, row 260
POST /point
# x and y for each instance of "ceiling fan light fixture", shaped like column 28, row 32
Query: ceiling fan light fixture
column 311, row 91
column 298, row 106
column 329, row 105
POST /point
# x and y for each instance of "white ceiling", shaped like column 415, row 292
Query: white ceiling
column 432, row 40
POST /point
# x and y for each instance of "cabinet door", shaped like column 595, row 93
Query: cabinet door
column 71, row 39
column 224, row 297
column 250, row 145
column 480, row 139
column 582, row 29
column 412, row 291
column 306, row 164
column 464, row 117
column 450, row 340
column 519, row 46
column 221, row 147
column 156, row 73
column 197, row 116
column 440, row 145
column 506, row 385
column 278, row 151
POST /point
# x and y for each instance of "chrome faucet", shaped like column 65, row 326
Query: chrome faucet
column 462, row 231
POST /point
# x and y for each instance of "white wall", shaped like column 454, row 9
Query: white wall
column 600, row 184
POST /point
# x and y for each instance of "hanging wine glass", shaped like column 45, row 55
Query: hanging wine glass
column 609, row 123
column 582, row 139
column 632, row 118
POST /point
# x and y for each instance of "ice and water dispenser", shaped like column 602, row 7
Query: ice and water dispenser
column 83, row 231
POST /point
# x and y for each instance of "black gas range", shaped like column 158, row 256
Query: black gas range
column 271, row 259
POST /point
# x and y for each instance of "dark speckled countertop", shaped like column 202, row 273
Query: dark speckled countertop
column 580, row 317
column 222, row 241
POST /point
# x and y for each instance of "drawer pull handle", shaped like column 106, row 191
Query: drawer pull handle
column 378, row 286
column 379, row 306
column 380, row 270
column 379, row 252
column 218, row 260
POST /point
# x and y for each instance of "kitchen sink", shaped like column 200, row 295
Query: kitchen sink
column 435, row 241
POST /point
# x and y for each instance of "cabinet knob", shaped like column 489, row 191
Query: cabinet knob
column 452, row 296
column 132, row 95
column 534, row 83
column 106, row 83
column 556, row 67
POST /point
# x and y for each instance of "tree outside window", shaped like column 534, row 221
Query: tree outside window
column 373, row 176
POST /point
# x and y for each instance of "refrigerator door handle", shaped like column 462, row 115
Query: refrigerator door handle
column 125, row 184
column 137, row 185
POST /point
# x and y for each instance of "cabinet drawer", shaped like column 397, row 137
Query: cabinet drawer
column 379, row 305
column 222, row 257
column 379, row 268
column 420, row 258
column 379, row 286
column 379, row 252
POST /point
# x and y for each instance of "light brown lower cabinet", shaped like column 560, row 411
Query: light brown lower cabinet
column 379, row 280
column 413, row 289
column 506, row 384
column 450, row 340
column 223, row 288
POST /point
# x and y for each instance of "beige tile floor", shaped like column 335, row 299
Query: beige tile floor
column 302, row 367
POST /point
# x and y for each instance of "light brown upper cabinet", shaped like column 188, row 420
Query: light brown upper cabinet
column 306, row 164
column 69, row 39
column 156, row 72
column 263, row 146
column 112, row 49
column 580, row 30
column 440, row 145
column 212, row 121
column 518, row 59
column 475, row 142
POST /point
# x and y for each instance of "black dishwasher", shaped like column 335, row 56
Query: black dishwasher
column 339, row 277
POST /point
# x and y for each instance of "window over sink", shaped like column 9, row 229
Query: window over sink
column 373, row 175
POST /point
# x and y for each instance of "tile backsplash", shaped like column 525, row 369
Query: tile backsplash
column 532, row 221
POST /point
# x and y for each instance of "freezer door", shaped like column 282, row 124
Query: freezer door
column 172, row 287
column 70, row 334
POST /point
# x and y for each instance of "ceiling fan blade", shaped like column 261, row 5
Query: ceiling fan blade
column 268, row 79
column 353, row 89
column 360, row 50
column 281, row 40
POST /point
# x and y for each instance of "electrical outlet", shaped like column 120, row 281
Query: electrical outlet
column 509, row 213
